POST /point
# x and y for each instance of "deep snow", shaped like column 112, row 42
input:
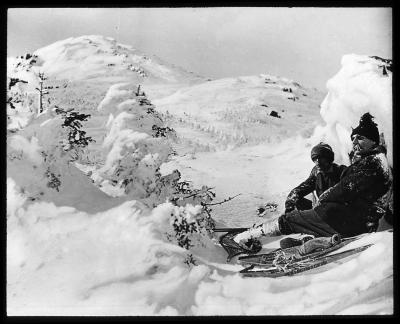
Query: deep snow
column 96, row 247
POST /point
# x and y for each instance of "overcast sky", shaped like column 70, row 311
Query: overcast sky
column 304, row 44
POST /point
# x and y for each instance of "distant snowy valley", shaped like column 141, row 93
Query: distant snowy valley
column 119, row 165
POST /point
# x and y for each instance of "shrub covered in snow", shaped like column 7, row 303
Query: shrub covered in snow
column 22, row 99
column 48, row 147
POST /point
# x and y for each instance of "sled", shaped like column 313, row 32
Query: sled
column 267, row 260
column 301, row 265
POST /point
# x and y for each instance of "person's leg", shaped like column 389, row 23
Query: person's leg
column 302, row 222
column 270, row 228
column 304, row 204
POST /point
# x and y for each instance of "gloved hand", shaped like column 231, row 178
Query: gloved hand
column 372, row 226
column 290, row 209
column 290, row 205
column 260, row 210
column 374, row 214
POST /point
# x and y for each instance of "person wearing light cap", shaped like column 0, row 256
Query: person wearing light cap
column 323, row 175
column 346, row 208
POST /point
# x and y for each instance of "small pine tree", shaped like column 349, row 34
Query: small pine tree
column 76, row 136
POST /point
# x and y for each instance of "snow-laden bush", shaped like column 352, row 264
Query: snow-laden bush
column 20, row 104
column 133, row 160
column 135, row 146
column 22, row 98
column 40, row 157
column 188, row 226
column 137, row 143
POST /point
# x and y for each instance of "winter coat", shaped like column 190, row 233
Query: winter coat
column 347, row 206
column 318, row 181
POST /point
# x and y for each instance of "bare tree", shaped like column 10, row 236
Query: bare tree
column 42, row 90
column 138, row 91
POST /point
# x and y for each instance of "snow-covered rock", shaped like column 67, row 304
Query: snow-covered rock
column 364, row 84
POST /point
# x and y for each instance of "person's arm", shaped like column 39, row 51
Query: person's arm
column 351, row 186
column 303, row 189
column 342, row 168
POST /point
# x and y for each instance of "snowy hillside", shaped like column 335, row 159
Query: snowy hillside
column 114, row 188
column 88, row 56
column 79, row 71
column 243, row 110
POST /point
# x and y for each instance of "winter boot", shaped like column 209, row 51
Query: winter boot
column 319, row 243
column 290, row 241
column 269, row 228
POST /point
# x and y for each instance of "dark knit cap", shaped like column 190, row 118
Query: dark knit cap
column 322, row 150
column 367, row 128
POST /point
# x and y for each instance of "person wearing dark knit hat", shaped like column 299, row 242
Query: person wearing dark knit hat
column 322, row 150
column 323, row 175
column 367, row 128
column 365, row 137
column 349, row 207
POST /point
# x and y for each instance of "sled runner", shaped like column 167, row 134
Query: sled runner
column 300, row 265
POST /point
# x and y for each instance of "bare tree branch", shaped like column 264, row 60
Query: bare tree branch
column 197, row 193
column 221, row 202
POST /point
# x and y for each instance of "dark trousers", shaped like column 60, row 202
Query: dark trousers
column 304, row 204
column 304, row 222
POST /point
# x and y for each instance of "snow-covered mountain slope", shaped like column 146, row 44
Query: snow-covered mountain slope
column 230, row 124
column 89, row 231
column 243, row 110
column 86, row 57
column 78, row 72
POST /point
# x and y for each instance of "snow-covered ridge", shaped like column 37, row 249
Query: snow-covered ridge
column 243, row 110
column 77, row 58
column 78, row 71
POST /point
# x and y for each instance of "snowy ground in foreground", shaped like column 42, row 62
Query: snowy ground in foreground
column 71, row 263
column 66, row 256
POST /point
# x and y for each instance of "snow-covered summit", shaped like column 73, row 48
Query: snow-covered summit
column 84, row 57
column 78, row 71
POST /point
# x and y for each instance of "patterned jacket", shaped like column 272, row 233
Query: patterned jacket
column 348, row 206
